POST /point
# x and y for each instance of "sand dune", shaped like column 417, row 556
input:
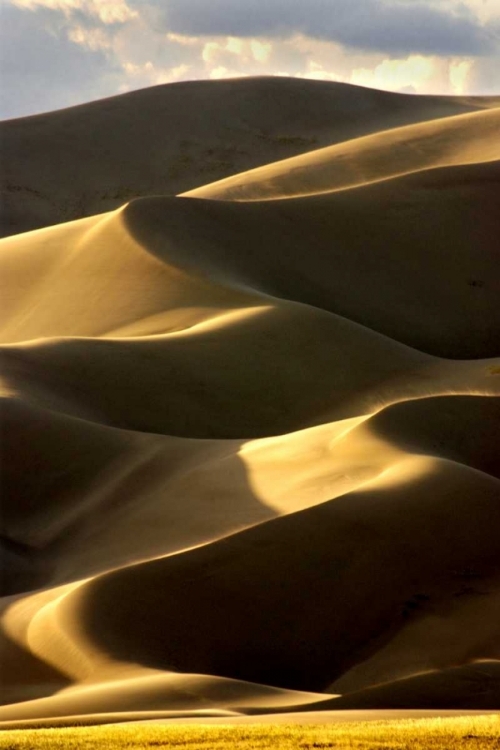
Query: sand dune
column 147, row 690
column 172, row 138
column 273, row 640
column 251, row 446
column 463, row 139
column 372, row 255
column 476, row 685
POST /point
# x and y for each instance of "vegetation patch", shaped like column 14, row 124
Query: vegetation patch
column 477, row 732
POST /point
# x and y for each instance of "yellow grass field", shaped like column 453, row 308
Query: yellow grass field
column 422, row 734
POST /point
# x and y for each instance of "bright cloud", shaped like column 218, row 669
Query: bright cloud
column 260, row 50
column 459, row 74
column 94, row 38
column 431, row 75
column 413, row 72
column 235, row 51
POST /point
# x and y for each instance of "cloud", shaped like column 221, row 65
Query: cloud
column 236, row 51
column 375, row 25
column 482, row 77
column 107, row 11
column 417, row 75
column 93, row 38
column 459, row 73
column 483, row 11
column 415, row 71
column 41, row 69
column 52, row 58
column 55, row 53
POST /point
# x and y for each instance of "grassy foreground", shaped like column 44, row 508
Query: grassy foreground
column 475, row 732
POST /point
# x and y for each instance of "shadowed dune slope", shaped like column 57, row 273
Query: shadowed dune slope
column 303, row 629
column 463, row 139
column 172, row 138
column 475, row 685
column 250, row 447
column 404, row 257
column 109, row 497
column 372, row 254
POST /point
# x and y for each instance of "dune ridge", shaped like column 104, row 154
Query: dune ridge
column 251, row 432
column 172, row 138
column 462, row 139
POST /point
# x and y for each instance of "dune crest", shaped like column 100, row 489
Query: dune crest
column 172, row 138
column 251, row 432
column 460, row 139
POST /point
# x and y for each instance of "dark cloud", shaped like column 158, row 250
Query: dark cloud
column 371, row 25
column 41, row 69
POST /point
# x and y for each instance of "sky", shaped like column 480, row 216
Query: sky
column 57, row 53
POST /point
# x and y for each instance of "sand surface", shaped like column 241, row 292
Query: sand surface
column 250, row 454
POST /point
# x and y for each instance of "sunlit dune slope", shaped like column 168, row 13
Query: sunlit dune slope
column 250, row 447
column 109, row 497
column 275, row 583
column 278, row 636
column 462, row 139
column 168, row 139
column 404, row 257
column 134, row 690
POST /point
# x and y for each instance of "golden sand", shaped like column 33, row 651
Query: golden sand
column 251, row 433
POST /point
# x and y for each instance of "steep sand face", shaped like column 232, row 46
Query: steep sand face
column 377, row 255
column 251, row 446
